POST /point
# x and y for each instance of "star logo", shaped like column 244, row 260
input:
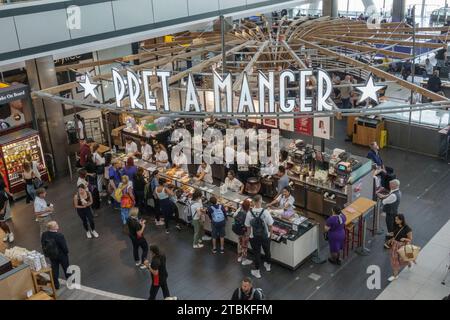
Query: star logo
column 89, row 87
column 369, row 90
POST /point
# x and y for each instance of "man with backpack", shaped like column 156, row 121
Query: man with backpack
column 247, row 292
column 218, row 216
column 54, row 247
column 259, row 223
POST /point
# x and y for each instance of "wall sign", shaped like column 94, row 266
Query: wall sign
column 13, row 92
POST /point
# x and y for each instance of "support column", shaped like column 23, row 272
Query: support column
column 369, row 3
column 398, row 10
column 49, row 114
column 330, row 8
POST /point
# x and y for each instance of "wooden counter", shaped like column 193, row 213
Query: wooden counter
column 357, row 209
column 15, row 284
column 102, row 148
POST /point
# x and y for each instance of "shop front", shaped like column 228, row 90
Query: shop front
column 18, row 139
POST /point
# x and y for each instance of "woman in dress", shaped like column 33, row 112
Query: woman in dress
column 82, row 202
column 402, row 236
column 335, row 226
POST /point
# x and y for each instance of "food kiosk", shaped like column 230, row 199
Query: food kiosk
column 14, row 147
column 294, row 239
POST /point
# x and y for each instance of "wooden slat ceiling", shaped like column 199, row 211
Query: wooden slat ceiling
column 330, row 43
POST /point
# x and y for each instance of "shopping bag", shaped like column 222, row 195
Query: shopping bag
column 408, row 252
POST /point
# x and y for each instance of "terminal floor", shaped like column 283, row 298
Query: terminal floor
column 107, row 263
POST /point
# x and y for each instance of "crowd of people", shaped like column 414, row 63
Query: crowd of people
column 128, row 190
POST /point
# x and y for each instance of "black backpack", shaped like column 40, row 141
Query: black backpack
column 50, row 248
column 258, row 226
column 252, row 296
column 238, row 226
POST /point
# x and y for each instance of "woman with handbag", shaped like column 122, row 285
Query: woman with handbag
column 402, row 237
column 82, row 202
column 127, row 200
column 335, row 232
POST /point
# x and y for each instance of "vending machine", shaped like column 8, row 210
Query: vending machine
column 14, row 147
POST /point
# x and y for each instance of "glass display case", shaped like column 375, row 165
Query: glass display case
column 14, row 147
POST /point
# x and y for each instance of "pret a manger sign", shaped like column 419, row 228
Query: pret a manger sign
column 136, row 87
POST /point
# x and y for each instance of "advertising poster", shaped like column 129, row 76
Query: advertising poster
column 287, row 124
column 273, row 123
column 303, row 126
column 322, row 127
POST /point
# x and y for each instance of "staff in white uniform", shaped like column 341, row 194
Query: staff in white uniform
column 284, row 201
column 233, row 183
column 161, row 157
column 180, row 161
column 204, row 172
column 146, row 150
column 130, row 147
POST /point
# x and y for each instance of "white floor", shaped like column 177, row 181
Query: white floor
column 423, row 281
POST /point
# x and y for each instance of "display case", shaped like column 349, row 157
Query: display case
column 14, row 147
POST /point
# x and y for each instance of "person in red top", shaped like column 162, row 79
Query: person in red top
column 85, row 153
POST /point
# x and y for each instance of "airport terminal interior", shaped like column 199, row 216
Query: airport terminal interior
column 225, row 150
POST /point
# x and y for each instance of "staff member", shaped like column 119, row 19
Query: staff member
column 131, row 148
column 204, row 173
column 284, row 201
column 146, row 150
column 233, row 183
column 161, row 157
column 180, row 161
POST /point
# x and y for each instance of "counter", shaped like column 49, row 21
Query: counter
column 290, row 249
column 301, row 236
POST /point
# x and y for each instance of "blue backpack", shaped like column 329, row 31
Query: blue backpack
column 217, row 214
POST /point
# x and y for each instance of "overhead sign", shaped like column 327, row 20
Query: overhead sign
column 274, row 95
column 13, row 92
column 136, row 87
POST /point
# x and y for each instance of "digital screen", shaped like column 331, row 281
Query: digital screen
column 342, row 167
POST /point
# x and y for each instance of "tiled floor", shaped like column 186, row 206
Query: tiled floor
column 107, row 262
column 86, row 293
column 423, row 281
